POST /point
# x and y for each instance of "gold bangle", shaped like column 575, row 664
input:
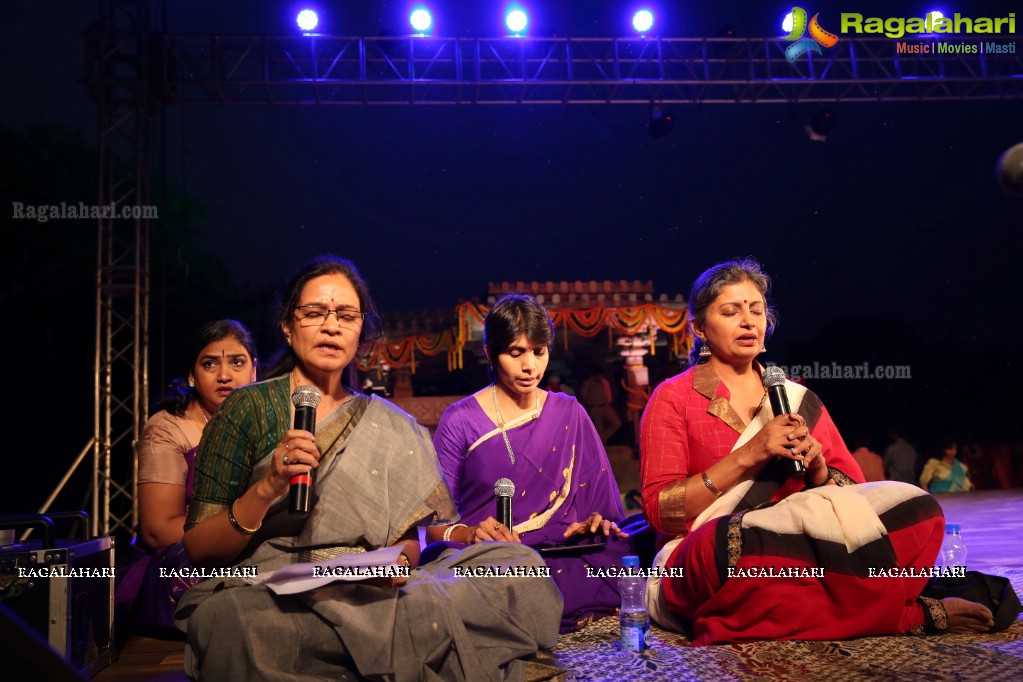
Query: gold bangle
column 404, row 558
column 450, row 529
column 710, row 486
column 238, row 526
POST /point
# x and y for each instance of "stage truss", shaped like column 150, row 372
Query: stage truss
column 136, row 72
column 205, row 69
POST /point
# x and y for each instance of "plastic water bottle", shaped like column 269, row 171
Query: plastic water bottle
column 953, row 549
column 635, row 621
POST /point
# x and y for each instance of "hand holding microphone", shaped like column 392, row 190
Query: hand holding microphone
column 503, row 490
column 773, row 379
column 305, row 399
column 499, row 526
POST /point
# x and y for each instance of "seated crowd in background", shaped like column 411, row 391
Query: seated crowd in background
column 955, row 466
column 946, row 474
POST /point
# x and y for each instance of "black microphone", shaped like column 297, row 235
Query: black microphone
column 504, row 489
column 774, row 381
column 305, row 399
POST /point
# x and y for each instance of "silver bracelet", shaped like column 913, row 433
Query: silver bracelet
column 447, row 532
column 710, row 486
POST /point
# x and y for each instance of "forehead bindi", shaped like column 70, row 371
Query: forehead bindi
column 744, row 294
column 330, row 289
column 522, row 344
column 228, row 348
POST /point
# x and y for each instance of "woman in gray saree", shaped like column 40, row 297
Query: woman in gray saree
column 375, row 479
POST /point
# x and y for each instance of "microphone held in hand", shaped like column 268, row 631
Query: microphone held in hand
column 504, row 489
column 774, row 381
column 305, row 400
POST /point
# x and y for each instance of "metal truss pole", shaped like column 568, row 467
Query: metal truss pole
column 120, row 84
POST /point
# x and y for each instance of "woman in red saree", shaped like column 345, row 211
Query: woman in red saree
column 764, row 553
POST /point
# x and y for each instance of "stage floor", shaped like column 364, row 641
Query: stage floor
column 992, row 525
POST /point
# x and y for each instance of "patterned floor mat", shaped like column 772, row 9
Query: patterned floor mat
column 594, row 654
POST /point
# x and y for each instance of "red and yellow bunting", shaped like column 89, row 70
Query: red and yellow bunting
column 632, row 320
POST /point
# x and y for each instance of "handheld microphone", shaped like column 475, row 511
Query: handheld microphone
column 305, row 399
column 504, row 489
column 773, row 379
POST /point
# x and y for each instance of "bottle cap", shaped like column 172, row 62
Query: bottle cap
column 952, row 528
column 631, row 560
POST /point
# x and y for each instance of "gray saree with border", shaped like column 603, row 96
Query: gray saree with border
column 377, row 481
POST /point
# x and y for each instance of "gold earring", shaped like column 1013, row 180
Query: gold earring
column 704, row 349
column 191, row 382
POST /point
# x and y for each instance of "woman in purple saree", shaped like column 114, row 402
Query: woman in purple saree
column 544, row 442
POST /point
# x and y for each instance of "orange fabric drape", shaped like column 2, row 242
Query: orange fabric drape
column 586, row 322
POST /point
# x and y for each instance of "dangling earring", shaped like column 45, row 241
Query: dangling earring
column 191, row 382
column 763, row 349
column 705, row 350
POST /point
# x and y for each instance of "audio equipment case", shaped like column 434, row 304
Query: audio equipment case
column 63, row 589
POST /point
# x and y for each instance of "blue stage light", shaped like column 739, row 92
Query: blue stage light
column 307, row 20
column 421, row 20
column 643, row 20
column 516, row 21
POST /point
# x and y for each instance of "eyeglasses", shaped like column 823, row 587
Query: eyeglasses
column 314, row 315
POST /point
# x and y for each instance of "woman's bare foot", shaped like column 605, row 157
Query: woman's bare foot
column 967, row 616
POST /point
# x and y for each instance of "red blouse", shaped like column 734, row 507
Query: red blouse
column 689, row 424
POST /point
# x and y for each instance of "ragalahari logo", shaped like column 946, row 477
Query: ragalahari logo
column 818, row 36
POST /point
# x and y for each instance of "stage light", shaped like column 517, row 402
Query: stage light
column 421, row 20
column 307, row 20
column 660, row 123
column 786, row 23
column 934, row 16
column 516, row 21
column 643, row 20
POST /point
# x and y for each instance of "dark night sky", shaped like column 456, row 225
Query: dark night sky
column 890, row 242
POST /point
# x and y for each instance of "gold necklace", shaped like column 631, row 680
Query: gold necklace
column 205, row 417
column 500, row 419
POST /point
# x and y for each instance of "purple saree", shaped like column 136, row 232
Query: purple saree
column 561, row 475
column 144, row 599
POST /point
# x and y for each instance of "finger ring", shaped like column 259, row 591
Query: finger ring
column 287, row 447
column 285, row 460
